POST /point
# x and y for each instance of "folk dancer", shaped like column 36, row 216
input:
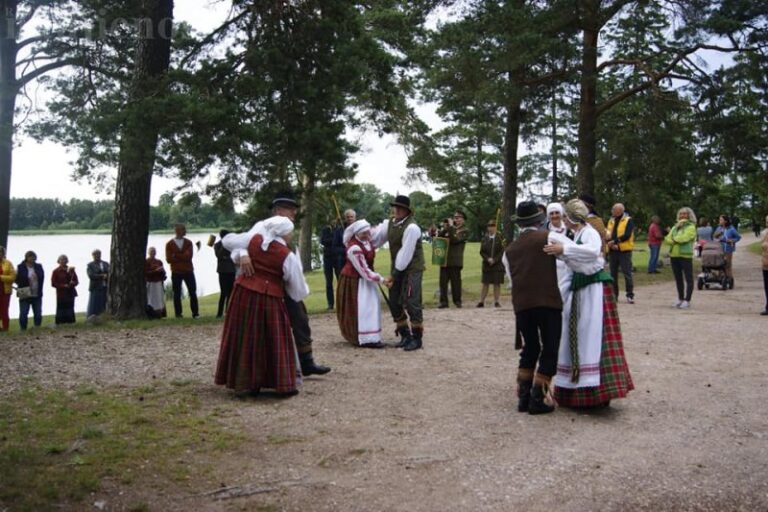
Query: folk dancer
column 592, row 369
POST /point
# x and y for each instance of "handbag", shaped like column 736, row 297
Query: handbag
column 24, row 292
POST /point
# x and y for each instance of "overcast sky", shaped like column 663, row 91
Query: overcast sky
column 44, row 170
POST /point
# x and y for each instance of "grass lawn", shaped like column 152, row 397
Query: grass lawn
column 316, row 302
column 755, row 248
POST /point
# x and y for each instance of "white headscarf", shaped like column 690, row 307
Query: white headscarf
column 274, row 228
column 556, row 207
column 355, row 228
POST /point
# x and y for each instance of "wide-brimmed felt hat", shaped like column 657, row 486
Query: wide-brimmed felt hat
column 588, row 199
column 403, row 202
column 491, row 222
column 285, row 199
column 528, row 214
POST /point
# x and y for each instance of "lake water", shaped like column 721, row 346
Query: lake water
column 78, row 249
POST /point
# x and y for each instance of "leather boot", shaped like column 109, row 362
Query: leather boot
column 309, row 367
column 524, row 395
column 415, row 342
column 537, row 404
column 405, row 336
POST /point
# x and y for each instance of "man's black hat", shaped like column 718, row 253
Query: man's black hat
column 285, row 199
column 528, row 214
column 402, row 201
column 588, row 199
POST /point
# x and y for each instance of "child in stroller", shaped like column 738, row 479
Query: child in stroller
column 713, row 267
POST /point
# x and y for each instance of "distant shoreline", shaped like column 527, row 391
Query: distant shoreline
column 38, row 232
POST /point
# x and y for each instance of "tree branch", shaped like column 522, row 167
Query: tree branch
column 211, row 37
column 26, row 18
column 52, row 66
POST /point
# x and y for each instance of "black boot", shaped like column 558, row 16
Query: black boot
column 537, row 405
column 415, row 342
column 523, row 395
column 309, row 367
column 405, row 336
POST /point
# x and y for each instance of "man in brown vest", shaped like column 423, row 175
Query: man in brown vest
column 538, row 308
column 178, row 254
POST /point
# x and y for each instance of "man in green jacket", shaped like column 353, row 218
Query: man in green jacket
column 456, row 233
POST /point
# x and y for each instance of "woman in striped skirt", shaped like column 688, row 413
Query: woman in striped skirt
column 257, row 349
column 592, row 369
column 358, row 307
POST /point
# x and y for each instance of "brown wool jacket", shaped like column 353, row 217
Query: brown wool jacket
column 534, row 274
column 180, row 260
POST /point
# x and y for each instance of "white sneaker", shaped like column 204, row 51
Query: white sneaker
column 677, row 304
column 685, row 305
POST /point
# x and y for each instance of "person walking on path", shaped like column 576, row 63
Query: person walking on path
column 283, row 205
column 332, row 240
column 538, row 308
column 225, row 267
column 406, row 271
column 64, row 279
column 30, row 276
column 728, row 236
column 764, row 245
column 655, row 238
column 7, row 278
column 592, row 369
column 257, row 350
column 178, row 253
column 358, row 306
column 456, row 233
column 620, row 238
column 491, row 251
column 680, row 240
column 703, row 234
column 155, row 276
column 98, row 276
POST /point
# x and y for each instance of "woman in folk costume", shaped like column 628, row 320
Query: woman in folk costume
column 358, row 307
column 592, row 369
column 257, row 349
column 154, row 275
column 492, row 251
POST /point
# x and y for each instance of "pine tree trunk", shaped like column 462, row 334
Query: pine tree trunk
column 555, row 177
column 511, row 138
column 8, row 92
column 138, row 146
column 305, row 240
column 587, row 146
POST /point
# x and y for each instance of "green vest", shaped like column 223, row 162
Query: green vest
column 395, row 237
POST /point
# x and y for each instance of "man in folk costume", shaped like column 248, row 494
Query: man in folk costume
column 592, row 368
column 257, row 350
column 358, row 307
column 283, row 205
column 404, row 237
column 538, row 308
column 491, row 250
column 456, row 233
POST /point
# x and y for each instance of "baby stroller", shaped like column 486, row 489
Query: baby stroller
column 713, row 267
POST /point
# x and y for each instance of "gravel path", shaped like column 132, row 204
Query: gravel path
column 437, row 429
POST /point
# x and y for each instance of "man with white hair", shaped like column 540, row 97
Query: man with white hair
column 620, row 237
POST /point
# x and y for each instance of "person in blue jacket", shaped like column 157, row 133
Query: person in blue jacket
column 30, row 277
column 728, row 236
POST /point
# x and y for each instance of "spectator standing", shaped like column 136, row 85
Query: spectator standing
column 225, row 267
column 332, row 240
column 620, row 238
column 492, row 252
column 457, row 234
column 655, row 238
column 7, row 278
column 178, row 253
column 764, row 244
column 98, row 276
column 154, row 274
column 64, row 279
column 703, row 234
column 680, row 240
column 727, row 235
column 30, row 277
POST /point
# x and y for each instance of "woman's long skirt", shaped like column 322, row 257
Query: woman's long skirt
column 65, row 310
column 257, row 349
column 615, row 379
column 358, row 310
column 156, row 300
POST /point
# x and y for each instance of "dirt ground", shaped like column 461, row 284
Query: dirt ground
column 437, row 429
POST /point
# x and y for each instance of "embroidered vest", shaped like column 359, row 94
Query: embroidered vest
column 370, row 255
column 267, row 275
column 395, row 238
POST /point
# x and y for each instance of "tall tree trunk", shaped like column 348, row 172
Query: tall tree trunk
column 8, row 92
column 305, row 239
column 587, row 145
column 511, row 141
column 138, row 146
column 555, row 177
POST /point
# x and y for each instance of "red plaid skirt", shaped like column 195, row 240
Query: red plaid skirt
column 346, row 307
column 615, row 380
column 257, row 349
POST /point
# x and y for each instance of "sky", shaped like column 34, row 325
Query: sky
column 45, row 169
